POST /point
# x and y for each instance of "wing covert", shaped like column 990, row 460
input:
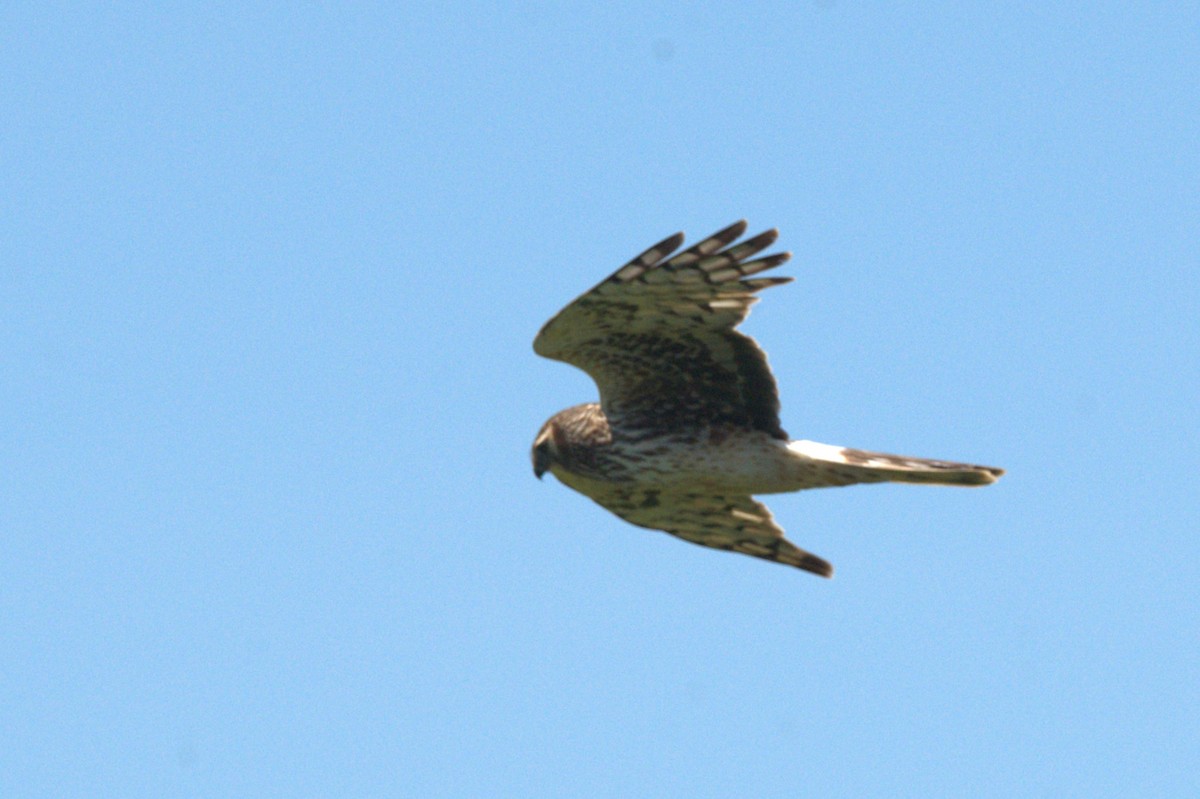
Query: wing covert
column 658, row 336
column 731, row 523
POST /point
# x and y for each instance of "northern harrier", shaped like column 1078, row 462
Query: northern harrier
column 687, row 427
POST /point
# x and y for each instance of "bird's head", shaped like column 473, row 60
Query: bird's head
column 545, row 448
column 568, row 442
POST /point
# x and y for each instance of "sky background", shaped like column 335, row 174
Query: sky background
column 269, row 277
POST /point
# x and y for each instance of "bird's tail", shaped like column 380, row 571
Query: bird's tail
column 846, row 466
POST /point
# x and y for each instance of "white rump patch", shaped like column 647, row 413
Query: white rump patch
column 820, row 452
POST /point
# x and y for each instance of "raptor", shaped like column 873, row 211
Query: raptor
column 687, row 428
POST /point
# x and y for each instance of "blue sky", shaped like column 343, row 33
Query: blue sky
column 269, row 277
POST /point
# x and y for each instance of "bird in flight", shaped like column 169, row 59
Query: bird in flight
column 687, row 428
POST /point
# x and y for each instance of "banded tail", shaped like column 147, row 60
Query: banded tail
column 845, row 466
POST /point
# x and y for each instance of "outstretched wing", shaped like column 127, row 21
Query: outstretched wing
column 733, row 523
column 658, row 337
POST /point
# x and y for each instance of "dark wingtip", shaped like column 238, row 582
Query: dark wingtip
column 731, row 232
column 818, row 566
column 760, row 283
column 669, row 245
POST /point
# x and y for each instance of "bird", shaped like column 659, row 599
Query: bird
column 687, row 429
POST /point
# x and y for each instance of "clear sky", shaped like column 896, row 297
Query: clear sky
column 269, row 276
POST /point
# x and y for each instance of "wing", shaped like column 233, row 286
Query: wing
column 733, row 523
column 658, row 337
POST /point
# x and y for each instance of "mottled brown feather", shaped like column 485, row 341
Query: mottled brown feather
column 658, row 337
column 730, row 523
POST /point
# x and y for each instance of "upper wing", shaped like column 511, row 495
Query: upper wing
column 658, row 337
column 733, row 523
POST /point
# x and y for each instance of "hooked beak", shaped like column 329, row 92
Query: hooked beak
column 543, row 458
column 541, row 462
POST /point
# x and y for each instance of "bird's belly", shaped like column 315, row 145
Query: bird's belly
column 747, row 464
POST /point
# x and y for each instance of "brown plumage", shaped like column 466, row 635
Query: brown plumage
column 687, row 427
